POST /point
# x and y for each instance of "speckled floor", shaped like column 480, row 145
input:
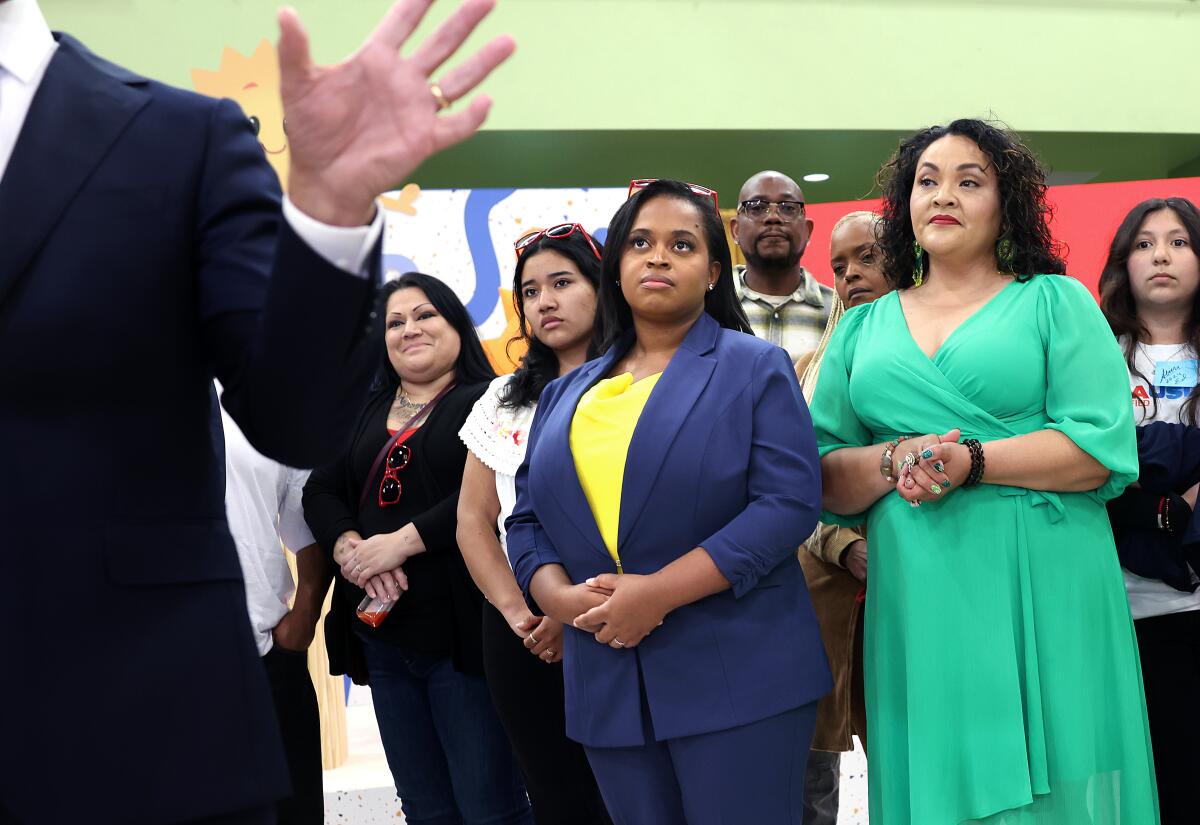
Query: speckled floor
column 361, row 792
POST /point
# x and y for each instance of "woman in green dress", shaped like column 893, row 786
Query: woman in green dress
column 1002, row 677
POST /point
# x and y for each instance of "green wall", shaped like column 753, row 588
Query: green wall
column 603, row 90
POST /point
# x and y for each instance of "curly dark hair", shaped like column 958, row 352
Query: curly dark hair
column 1025, row 215
column 1116, row 294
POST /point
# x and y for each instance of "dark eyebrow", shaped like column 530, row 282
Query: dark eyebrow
column 932, row 166
column 548, row 275
column 414, row 309
column 646, row 231
column 962, row 167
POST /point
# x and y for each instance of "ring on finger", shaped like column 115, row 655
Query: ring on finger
column 533, row 638
column 549, row 653
column 439, row 97
column 618, row 642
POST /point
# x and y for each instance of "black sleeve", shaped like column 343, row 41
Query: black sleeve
column 330, row 496
column 1140, row 509
column 1168, row 457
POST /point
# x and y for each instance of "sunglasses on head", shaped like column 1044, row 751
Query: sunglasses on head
column 638, row 185
column 563, row 230
column 389, row 488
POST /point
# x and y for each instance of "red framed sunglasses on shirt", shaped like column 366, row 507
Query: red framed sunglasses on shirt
column 638, row 185
column 397, row 459
column 562, row 230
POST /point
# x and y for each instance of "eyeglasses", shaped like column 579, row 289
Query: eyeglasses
column 758, row 209
column 397, row 459
column 563, row 230
column 636, row 186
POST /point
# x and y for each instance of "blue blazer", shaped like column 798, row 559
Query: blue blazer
column 724, row 458
column 142, row 251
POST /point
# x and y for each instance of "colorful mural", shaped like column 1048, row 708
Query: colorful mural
column 463, row 237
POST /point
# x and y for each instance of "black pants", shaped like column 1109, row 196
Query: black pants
column 528, row 694
column 300, row 727
column 1170, row 650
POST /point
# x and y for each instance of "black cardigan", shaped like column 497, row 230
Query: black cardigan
column 441, row 612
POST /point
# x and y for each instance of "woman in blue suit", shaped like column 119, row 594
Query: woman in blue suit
column 665, row 490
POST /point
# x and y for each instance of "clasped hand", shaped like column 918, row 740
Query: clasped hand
column 375, row 564
column 931, row 466
column 633, row 607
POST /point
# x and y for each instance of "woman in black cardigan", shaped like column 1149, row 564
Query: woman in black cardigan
column 393, row 512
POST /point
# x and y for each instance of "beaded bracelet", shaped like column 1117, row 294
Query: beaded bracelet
column 885, row 461
column 977, row 461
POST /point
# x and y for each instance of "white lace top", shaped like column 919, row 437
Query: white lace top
column 497, row 436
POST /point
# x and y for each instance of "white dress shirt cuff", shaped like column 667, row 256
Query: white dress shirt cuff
column 346, row 247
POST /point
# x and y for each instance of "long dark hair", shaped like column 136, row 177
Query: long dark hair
column 1024, row 212
column 721, row 302
column 1116, row 294
column 472, row 366
column 540, row 365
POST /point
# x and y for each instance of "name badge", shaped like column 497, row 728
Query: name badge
column 1175, row 373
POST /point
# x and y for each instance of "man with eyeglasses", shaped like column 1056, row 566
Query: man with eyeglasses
column 783, row 301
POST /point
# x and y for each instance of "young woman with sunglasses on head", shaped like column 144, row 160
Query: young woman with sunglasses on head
column 555, row 294
column 1002, row 680
column 387, row 511
column 1150, row 294
column 666, row 487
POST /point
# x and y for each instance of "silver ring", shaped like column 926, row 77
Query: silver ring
column 618, row 642
column 533, row 638
column 549, row 652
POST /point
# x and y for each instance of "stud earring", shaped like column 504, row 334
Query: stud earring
column 711, row 287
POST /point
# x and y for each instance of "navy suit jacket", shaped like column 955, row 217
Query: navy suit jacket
column 142, row 252
column 724, row 458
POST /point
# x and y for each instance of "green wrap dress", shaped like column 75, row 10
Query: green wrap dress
column 1002, row 676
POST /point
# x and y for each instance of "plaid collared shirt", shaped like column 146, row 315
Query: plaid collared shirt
column 797, row 323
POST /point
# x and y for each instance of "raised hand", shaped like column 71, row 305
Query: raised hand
column 359, row 128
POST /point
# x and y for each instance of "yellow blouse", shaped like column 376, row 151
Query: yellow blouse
column 600, row 434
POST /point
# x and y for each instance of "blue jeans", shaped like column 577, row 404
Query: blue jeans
column 449, row 757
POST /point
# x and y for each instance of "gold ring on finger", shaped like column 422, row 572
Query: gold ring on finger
column 533, row 639
column 439, row 96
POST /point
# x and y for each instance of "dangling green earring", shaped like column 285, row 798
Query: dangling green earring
column 1005, row 255
column 919, row 266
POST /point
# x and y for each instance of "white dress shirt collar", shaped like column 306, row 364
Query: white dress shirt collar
column 26, row 43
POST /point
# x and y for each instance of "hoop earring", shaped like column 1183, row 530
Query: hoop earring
column 918, row 265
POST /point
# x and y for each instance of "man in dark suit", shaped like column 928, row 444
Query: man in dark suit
column 142, row 251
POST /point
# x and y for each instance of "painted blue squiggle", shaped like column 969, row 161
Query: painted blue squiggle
column 483, row 256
